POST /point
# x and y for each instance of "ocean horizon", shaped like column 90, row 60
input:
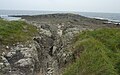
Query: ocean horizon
column 108, row 16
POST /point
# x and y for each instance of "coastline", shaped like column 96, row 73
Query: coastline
column 18, row 17
column 104, row 20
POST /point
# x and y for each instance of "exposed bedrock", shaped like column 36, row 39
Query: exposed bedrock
column 47, row 53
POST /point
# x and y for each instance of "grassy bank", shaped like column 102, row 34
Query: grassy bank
column 15, row 31
column 97, row 53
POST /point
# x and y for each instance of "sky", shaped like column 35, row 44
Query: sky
column 111, row 6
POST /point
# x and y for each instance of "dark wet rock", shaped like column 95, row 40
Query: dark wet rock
column 47, row 27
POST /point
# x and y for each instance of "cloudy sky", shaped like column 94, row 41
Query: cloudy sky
column 63, row 5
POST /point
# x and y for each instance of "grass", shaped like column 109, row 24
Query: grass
column 97, row 53
column 15, row 31
column 12, row 32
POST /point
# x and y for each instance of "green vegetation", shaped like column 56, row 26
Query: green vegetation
column 15, row 31
column 97, row 53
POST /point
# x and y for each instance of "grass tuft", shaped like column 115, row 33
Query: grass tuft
column 15, row 31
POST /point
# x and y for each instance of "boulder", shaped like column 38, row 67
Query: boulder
column 24, row 62
column 46, row 32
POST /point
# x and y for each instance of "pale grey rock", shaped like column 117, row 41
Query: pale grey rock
column 54, row 49
column 5, row 61
column 10, row 54
column 1, row 66
column 60, row 32
column 24, row 62
column 46, row 32
column 7, row 47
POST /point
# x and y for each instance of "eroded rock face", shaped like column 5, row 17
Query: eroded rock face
column 52, row 42
column 52, row 52
column 19, row 61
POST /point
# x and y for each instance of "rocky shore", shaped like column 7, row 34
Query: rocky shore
column 47, row 53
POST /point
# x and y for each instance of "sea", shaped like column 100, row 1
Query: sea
column 6, row 14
